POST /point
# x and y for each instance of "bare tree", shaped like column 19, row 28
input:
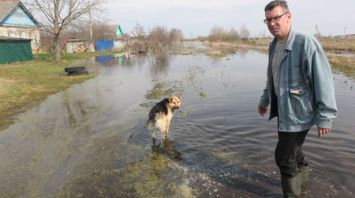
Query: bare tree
column 100, row 30
column 244, row 32
column 138, row 31
column 219, row 34
column 56, row 15
column 175, row 35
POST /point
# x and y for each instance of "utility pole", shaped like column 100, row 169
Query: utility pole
column 90, row 26
column 344, row 31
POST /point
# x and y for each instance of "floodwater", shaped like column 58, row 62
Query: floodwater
column 91, row 140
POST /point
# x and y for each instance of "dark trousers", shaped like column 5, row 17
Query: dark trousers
column 288, row 154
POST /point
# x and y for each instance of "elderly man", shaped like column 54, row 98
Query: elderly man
column 300, row 92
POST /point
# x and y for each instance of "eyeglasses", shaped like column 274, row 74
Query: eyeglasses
column 275, row 18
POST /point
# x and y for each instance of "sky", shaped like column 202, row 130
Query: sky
column 197, row 17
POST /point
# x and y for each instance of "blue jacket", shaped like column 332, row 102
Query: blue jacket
column 306, row 87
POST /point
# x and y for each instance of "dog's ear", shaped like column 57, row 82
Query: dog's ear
column 170, row 99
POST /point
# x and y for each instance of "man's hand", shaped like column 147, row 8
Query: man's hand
column 262, row 110
column 323, row 131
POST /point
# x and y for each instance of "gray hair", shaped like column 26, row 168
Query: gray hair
column 276, row 3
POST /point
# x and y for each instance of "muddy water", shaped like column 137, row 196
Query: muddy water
column 91, row 141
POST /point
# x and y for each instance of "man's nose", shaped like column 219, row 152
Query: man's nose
column 272, row 23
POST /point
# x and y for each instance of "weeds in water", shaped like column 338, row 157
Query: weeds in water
column 159, row 90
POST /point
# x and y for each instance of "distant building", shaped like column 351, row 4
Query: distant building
column 78, row 45
column 16, row 21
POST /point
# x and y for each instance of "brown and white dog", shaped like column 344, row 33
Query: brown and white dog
column 160, row 115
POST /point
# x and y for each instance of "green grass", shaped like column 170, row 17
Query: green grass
column 23, row 83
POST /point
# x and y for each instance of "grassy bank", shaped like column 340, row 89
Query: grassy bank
column 22, row 84
column 340, row 52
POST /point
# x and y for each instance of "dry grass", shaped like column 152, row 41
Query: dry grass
column 338, row 44
column 21, row 84
column 343, row 64
column 340, row 51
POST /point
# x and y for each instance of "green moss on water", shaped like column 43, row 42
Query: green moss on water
column 159, row 90
column 202, row 93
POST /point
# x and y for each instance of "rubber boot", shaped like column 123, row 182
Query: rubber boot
column 291, row 186
column 304, row 182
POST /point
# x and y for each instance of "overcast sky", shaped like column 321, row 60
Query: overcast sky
column 197, row 17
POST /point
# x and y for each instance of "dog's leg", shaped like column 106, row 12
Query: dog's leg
column 165, row 133
column 162, row 143
column 164, row 136
column 154, row 135
column 166, row 130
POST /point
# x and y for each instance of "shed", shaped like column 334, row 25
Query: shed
column 77, row 45
column 15, row 49
column 104, row 45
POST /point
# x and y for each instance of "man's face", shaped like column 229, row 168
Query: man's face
column 278, row 22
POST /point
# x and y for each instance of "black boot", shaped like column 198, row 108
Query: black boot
column 292, row 186
column 304, row 180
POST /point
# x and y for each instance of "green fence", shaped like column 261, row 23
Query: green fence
column 15, row 50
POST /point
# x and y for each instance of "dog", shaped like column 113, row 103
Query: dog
column 160, row 116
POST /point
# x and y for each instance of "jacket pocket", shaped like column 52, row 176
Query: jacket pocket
column 301, row 100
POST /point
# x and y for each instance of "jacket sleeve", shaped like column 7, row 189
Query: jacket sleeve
column 264, row 99
column 323, row 85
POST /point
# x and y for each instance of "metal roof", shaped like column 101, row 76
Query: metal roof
column 8, row 6
column 4, row 38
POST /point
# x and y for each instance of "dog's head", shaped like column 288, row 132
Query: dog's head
column 174, row 102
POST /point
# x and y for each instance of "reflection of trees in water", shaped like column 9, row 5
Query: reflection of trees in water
column 243, row 52
column 74, row 111
column 159, row 64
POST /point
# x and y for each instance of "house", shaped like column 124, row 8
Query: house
column 16, row 21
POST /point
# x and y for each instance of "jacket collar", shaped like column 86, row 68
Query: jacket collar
column 289, row 42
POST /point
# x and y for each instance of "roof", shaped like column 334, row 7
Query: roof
column 73, row 40
column 8, row 6
column 3, row 38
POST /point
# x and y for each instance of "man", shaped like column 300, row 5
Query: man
column 300, row 93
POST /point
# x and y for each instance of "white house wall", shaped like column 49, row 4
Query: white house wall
column 22, row 32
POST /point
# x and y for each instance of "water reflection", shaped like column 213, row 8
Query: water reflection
column 91, row 140
column 159, row 65
column 166, row 147
column 113, row 60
